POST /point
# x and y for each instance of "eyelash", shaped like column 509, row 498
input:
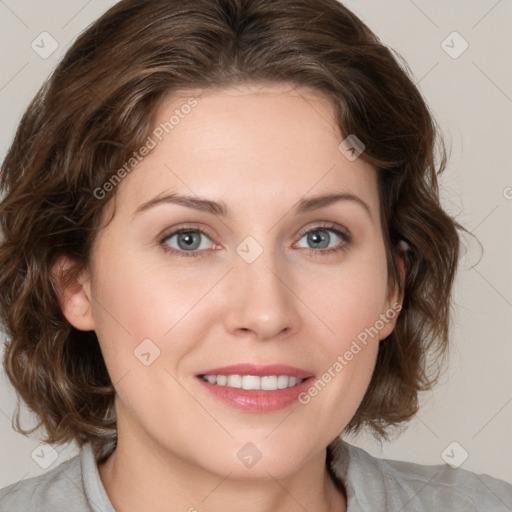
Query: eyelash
column 345, row 236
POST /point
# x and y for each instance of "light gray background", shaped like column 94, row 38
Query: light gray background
column 471, row 96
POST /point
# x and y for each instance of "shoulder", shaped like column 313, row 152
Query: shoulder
column 385, row 484
column 60, row 489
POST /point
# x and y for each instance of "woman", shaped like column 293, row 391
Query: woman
column 166, row 302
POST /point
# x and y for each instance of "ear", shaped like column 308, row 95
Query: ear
column 394, row 302
column 74, row 295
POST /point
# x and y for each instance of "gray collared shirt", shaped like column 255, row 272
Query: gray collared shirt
column 371, row 484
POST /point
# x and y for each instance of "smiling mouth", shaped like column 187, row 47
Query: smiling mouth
column 254, row 382
column 258, row 388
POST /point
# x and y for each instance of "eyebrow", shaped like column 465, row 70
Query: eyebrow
column 220, row 208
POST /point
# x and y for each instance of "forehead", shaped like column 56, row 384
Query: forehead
column 247, row 145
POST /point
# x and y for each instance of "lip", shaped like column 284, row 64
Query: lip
column 257, row 400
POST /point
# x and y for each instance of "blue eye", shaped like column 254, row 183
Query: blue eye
column 188, row 240
column 193, row 242
column 320, row 238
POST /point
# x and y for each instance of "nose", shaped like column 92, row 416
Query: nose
column 262, row 303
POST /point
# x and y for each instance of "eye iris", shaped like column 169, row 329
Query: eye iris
column 191, row 239
column 318, row 237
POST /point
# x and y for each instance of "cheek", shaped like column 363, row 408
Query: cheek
column 348, row 358
column 145, row 293
column 134, row 302
column 350, row 306
column 351, row 299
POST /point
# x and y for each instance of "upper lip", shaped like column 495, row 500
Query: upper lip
column 260, row 370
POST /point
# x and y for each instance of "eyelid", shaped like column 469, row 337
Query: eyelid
column 176, row 230
column 198, row 227
column 341, row 231
column 192, row 226
column 326, row 225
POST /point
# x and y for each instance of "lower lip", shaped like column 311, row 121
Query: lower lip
column 257, row 400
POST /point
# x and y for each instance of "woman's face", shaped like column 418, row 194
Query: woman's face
column 273, row 282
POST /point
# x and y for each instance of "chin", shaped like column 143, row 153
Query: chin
column 261, row 459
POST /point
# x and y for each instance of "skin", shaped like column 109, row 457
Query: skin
column 259, row 149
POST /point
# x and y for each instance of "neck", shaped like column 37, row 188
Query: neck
column 138, row 477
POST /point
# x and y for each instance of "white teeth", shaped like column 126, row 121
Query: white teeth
column 234, row 381
column 253, row 382
column 282, row 381
column 222, row 380
column 269, row 383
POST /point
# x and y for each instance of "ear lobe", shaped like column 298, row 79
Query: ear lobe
column 73, row 292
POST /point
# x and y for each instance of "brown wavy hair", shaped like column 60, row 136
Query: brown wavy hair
column 96, row 109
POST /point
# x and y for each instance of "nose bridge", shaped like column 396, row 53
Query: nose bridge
column 261, row 300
